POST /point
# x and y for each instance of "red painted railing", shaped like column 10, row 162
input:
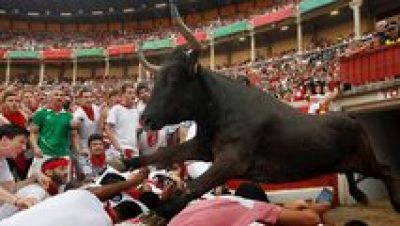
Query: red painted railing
column 57, row 54
column 269, row 18
column 200, row 36
column 121, row 49
column 371, row 66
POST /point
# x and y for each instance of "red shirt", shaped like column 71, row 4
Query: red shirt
column 226, row 210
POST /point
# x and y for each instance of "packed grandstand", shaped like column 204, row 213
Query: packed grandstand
column 80, row 60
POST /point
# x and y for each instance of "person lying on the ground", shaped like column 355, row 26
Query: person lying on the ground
column 84, row 207
column 248, row 206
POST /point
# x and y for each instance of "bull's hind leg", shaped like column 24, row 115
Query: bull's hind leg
column 378, row 171
column 355, row 192
column 392, row 182
column 364, row 161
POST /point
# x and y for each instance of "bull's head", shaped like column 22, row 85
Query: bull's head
column 177, row 89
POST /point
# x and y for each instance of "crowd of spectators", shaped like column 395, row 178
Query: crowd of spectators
column 27, row 40
column 293, row 76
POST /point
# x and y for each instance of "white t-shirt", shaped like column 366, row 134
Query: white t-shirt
column 195, row 168
column 87, row 126
column 5, row 173
column 315, row 103
column 72, row 208
column 126, row 124
column 150, row 141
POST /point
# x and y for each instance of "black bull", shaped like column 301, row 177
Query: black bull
column 248, row 134
column 251, row 135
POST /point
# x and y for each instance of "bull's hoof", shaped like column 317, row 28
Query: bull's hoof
column 395, row 194
column 396, row 206
column 360, row 196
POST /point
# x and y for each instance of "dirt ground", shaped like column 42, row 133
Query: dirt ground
column 375, row 214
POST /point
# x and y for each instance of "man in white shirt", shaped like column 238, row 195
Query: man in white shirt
column 123, row 123
column 149, row 141
column 87, row 116
column 13, row 141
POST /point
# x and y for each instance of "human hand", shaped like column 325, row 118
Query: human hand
column 297, row 205
column 144, row 172
column 37, row 153
column 43, row 180
column 24, row 202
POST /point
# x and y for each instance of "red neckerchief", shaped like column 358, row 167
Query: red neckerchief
column 15, row 118
column 111, row 212
column 152, row 138
column 89, row 112
column 98, row 160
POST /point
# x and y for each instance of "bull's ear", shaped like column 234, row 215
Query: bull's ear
column 192, row 60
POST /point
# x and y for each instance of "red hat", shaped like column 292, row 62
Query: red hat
column 51, row 164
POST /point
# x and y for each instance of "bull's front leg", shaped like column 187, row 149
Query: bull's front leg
column 224, row 168
column 166, row 156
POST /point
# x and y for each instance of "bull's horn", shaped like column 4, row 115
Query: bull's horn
column 183, row 29
column 146, row 64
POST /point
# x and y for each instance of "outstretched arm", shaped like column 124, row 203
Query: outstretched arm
column 108, row 191
column 33, row 137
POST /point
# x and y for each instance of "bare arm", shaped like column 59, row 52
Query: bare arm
column 109, row 128
column 75, row 136
column 18, row 201
column 108, row 191
column 33, row 137
column 103, row 116
column 6, row 195
column 37, row 177
column 8, row 188
column 306, row 217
